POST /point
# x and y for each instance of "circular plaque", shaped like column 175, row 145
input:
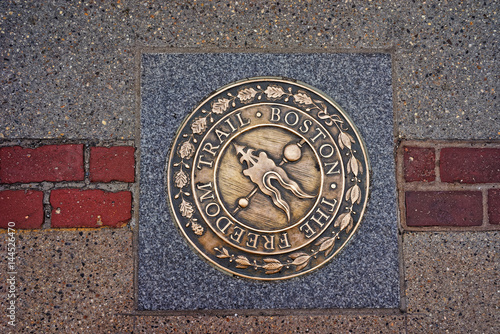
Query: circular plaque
column 268, row 178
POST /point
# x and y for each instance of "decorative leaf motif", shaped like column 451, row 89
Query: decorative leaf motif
column 220, row 106
column 199, row 125
column 223, row 253
column 326, row 244
column 186, row 150
column 246, row 94
column 186, row 209
column 360, row 167
column 271, row 260
column 353, row 194
column 345, row 140
column 301, row 262
column 180, row 179
column 321, row 240
column 346, row 220
column 274, row 92
column 356, row 194
column 297, row 254
column 242, row 262
column 349, row 227
column 272, row 266
column 197, row 228
column 302, row 98
column 354, row 165
column 339, row 219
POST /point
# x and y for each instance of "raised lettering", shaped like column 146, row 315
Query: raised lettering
column 322, row 215
column 308, row 231
column 228, row 121
column 221, row 135
column 237, row 234
column 214, row 211
column 331, row 170
column 283, row 241
column 203, row 162
column 252, row 239
column 329, row 150
column 208, row 194
column 320, row 133
column 242, row 124
column 225, row 227
column 269, row 242
column 329, row 204
column 275, row 114
column 305, row 126
column 295, row 118
column 209, row 148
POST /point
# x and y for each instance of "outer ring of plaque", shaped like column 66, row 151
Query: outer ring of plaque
column 363, row 164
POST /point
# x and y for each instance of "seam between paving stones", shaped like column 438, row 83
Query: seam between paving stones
column 424, row 143
column 403, row 304
column 438, row 185
column 38, row 142
column 143, row 49
column 402, row 279
column 47, row 210
column 136, row 200
column 272, row 312
column 486, row 217
column 403, row 301
column 64, row 229
column 437, row 159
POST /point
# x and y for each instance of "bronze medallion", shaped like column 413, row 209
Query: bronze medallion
column 268, row 178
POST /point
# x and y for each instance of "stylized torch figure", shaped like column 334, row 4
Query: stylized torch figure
column 262, row 171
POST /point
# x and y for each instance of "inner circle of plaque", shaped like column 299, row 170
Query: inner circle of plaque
column 267, row 178
column 277, row 135
column 230, row 186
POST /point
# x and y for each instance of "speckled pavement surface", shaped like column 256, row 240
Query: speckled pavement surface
column 69, row 70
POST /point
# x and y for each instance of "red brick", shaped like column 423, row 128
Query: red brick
column 494, row 206
column 46, row 163
column 24, row 208
column 444, row 208
column 419, row 164
column 90, row 208
column 112, row 164
column 470, row 165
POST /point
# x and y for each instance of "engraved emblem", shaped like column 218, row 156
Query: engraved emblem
column 268, row 179
column 262, row 171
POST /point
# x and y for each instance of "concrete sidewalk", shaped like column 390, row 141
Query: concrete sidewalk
column 70, row 134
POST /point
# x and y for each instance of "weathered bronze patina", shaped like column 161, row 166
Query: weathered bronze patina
column 268, row 178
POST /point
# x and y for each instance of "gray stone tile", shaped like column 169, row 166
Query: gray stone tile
column 452, row 281
column 171, row 276
column 74, row 281
column 275, row 324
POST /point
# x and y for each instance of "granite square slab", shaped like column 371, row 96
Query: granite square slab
column 172, row 277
